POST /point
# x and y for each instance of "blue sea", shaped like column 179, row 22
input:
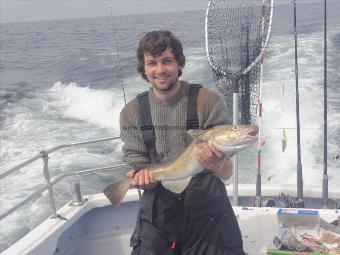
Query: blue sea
column 61, row 82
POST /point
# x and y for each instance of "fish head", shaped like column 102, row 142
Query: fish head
column 230, row 139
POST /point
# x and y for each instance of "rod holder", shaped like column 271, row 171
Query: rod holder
column 77, row 198
column 270, row 202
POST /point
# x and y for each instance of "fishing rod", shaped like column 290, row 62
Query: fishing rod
column 119, row 72
column 258, row 198
column 300, row 202
column 325, row 176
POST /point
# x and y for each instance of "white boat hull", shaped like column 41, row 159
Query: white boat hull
column 96, row 227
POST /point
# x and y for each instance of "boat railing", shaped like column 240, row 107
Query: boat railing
column 44, row 155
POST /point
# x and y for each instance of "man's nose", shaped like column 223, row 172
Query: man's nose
column 160, row 68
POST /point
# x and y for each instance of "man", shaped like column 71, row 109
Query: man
column 200, row 220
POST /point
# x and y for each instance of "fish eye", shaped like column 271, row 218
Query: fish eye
column 235, row 127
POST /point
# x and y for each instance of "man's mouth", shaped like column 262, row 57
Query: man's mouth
column 161, row 78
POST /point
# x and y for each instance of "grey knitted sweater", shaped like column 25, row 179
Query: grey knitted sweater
column 169, row 119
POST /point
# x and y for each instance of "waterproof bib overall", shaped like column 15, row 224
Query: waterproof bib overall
column 199, row 221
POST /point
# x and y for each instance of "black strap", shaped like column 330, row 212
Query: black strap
column 148, row 129
column 192, row 116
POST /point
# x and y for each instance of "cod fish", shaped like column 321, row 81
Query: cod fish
column 176, row 174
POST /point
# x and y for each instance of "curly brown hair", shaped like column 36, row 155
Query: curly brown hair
column 154, row 43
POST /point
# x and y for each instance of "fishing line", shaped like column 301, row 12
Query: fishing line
column 115, row 32
column 283, row 136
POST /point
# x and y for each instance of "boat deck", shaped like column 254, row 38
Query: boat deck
column 96, row 227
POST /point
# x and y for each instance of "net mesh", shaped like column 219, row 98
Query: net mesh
column 235, row 33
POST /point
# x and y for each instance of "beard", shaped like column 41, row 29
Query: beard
column 169, row 85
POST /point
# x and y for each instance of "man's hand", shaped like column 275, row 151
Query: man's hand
column 142, row 179
column 208, row 157
column 213, row 160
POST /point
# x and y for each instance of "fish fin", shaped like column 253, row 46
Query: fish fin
column 140, row 166
column 195, row 133
column 115, row 192
column 177, row 186
column 228, row 151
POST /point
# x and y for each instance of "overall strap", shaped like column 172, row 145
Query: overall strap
column 147, row 128
column 192, row 116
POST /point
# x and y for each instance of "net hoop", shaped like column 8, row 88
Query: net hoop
column 255, row 62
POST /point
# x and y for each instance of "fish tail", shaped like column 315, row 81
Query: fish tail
column 115, row 192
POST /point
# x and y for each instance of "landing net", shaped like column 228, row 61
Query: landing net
column 237, row 33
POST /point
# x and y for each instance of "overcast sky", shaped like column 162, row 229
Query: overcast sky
column 33, row 10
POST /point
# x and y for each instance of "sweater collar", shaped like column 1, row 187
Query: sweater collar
column 172, row 100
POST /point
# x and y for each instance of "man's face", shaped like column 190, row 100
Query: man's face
column 162, row 71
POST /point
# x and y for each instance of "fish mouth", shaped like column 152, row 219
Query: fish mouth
column 254, row 130
column 249, row 138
